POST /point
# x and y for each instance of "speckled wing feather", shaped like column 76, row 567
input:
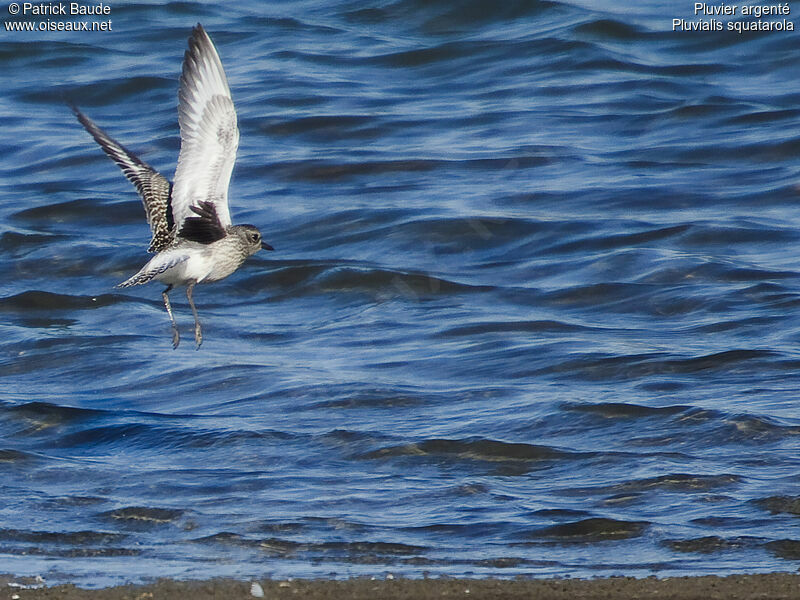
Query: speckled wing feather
column 153, row 187
column 209, row 135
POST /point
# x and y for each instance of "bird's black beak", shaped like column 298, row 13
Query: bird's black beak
column 266, row 246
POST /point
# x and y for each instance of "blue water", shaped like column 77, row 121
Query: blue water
column 534, row 307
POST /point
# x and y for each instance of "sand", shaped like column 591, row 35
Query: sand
column 734, row 587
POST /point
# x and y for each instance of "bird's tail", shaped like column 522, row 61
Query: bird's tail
column 157, row 265
column 137, row 279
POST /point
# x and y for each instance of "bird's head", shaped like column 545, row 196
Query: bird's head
column 251, row 236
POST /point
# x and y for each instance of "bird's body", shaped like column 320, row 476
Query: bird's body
column 186, row 260
column 193, row 237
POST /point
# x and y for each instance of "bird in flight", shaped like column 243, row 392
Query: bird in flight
column 193, row 237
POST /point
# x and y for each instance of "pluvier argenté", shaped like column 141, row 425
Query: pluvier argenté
column 193, row 236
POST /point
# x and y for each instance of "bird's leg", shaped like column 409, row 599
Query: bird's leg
column 176, row 337
column 198, row 333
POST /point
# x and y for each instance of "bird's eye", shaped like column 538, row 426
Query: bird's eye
column 255, row 237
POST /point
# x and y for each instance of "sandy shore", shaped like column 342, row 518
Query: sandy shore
column 772, row 586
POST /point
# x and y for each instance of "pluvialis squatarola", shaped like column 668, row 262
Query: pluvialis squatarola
column 193, row 237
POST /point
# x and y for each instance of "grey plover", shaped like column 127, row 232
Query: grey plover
column 193, row 237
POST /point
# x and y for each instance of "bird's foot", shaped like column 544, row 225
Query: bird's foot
column 176, row 337
column 198, row 336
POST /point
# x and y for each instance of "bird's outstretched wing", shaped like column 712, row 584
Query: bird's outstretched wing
column 153, row 187
column 209, row 135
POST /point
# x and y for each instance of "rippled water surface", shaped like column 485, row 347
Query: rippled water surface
column 533, row 308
